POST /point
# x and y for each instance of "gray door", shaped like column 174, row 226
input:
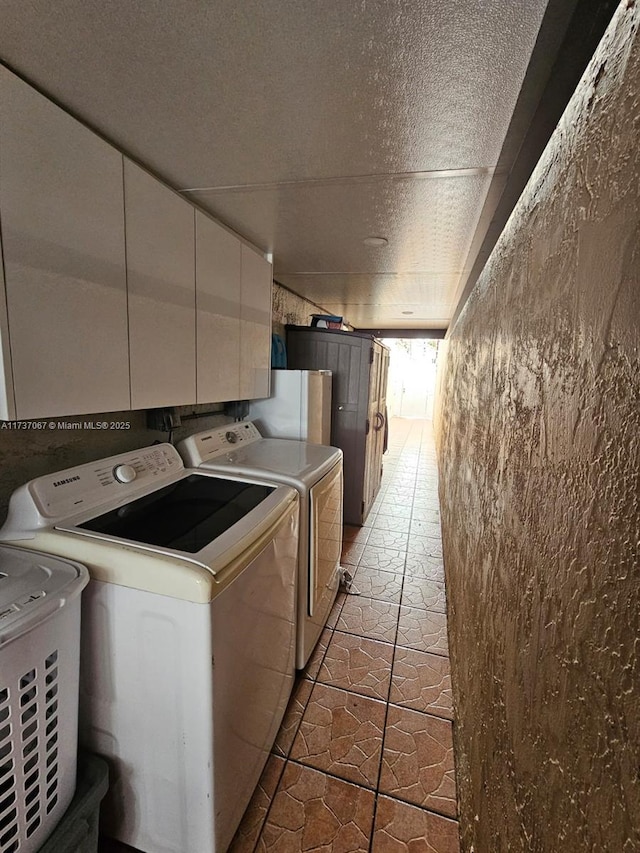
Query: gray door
column 377, row 423
column 347, row 356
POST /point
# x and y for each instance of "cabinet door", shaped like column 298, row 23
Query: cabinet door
column 255, row 326
column 218, row 262
column 62, row 215
column 377, row 422
column 162, row 292
column 347, row 357
column 7, row 399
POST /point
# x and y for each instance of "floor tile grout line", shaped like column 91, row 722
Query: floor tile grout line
column 315, row 678
column 389, row 703
column 354, row 693
column 421, row 808
column 298, row 762
column 419, row 711
column 373, row 821
column 271, row 800
column 384, row 727
column 367, row 636
column 400, row 603
column 304, row 708
column 374, row 791
column 414, row 649
column 395, row 641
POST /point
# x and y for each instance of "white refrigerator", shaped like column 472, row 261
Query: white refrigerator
column 299, row 406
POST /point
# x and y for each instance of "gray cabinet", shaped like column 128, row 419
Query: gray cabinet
column 359, row 366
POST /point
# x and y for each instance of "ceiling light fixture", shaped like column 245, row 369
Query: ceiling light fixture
column 375, row 242
column 407, row 312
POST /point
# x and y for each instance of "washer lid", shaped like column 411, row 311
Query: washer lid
column 285, row 459
column 198, row 577
column 34, row 586
column 187, row 515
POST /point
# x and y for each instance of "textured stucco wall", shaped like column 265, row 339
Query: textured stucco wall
column 288, row 307
column 539, row 445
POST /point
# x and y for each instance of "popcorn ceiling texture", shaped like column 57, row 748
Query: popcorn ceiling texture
column 539, row 432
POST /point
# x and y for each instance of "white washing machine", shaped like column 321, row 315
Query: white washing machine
column 316, row 472
column 188, row 633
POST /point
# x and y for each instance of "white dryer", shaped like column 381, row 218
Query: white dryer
column 316, row 472
column 188, row 633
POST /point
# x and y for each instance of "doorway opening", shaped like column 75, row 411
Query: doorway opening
column 412, row 377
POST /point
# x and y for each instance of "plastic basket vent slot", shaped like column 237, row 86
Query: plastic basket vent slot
column 31, row 780
column 27, row 679
column 8, row 797
column 29, row 766
column 29, row 714
column 32, row 796
column 51, row 730
column 6, row 774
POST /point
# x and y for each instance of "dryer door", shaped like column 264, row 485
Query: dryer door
column 325, row 533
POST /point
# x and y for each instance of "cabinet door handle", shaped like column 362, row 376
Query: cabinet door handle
column 379, row 421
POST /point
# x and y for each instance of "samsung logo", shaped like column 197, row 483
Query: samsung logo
column 64, row 482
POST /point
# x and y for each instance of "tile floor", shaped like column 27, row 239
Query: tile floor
column 364, row 758
column 363, row 762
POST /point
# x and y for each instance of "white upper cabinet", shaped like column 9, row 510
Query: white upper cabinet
column 162, row 292
column 115, row 292
column 218, row 260
column 64, row 310
column 255, row 325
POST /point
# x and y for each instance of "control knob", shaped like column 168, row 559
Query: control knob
column 125, row 473
column 231, row 437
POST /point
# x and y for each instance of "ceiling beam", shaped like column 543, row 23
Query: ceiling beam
column 432, row 334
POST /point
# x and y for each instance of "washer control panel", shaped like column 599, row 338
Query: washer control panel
column 203, row 446
column 72, row 490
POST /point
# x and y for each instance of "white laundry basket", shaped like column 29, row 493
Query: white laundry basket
column 39, row 673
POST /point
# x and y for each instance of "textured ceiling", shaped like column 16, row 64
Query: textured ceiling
column 305, row 126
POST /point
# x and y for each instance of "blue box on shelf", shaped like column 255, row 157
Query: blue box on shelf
column 326, row 321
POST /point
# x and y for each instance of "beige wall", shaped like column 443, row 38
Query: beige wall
column 539, row 444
